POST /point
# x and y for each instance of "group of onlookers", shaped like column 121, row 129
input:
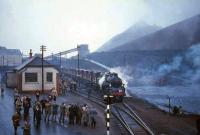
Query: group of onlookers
column 70, row 114
column 21, row 103
column 50, row 110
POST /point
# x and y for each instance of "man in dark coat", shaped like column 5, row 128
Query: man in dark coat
column 26, row 109
column 43, row 102
column 15, row 119
column 29, row 100
column 47, row 111
column 79, row 115
column 34, row 111
column 37, row 95
column 62, row 112
column 54, row 111
column 38, row 116
column 76, row 113
column 2, row 91
column 71, row 115
column 18, row 106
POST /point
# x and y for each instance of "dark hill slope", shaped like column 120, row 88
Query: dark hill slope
column 175, row 37
column 136, row 31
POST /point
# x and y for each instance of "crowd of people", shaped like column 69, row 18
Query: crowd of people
column 48, row 109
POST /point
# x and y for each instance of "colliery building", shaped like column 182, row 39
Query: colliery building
column 27, row 77
column 10, row 57
column 83, row 50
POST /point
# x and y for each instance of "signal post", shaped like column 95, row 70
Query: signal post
column 108, row 99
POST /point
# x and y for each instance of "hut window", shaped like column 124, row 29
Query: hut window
column 49, row 77
column 31, row 77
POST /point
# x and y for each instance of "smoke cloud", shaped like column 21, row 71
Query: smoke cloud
column 183, row 69
column 123, row 73
column 173, row 66
column 193, row 58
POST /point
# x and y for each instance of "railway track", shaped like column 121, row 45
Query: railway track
column 128, row 121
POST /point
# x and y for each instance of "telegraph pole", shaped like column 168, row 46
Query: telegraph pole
column 78, row 57
column 52, row 58
column 66, row 62
column 60, row 61
column 78, row 63
column 42, row 48
column 169, row 103
column 3, row 60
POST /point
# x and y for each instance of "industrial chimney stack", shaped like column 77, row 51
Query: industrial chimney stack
column 30, row 53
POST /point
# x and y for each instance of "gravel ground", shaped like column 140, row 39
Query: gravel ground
column 162, row 122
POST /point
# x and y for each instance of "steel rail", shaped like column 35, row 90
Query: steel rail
column 123, row 121
column 140, row 121
column 133, row 117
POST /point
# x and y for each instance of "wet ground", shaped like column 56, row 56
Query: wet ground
column 51, row 128
column 161, row 122
column 188, row 97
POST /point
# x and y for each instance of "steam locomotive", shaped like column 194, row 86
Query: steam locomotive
column 107, row 83
column 111, row 84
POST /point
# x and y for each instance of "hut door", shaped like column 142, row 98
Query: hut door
column 58, row 83
column 19, row 82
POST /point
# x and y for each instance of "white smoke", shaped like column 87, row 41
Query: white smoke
column 99, row 64
column 123, row 73
column 101, row 80
column 187, row 64
column 193, row 55
column 183, row 69
column 173, row 66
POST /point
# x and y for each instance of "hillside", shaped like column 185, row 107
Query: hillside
column 167, row 57
column 136, row 31
column 175, row 37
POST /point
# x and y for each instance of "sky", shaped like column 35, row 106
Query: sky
column 62, row 24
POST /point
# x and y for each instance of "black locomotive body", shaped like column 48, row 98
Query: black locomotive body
column 111, row 84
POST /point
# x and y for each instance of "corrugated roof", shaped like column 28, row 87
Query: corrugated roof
column 24, row 64
column 34, row 62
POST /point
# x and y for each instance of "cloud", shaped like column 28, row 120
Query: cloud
column 62, row 24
